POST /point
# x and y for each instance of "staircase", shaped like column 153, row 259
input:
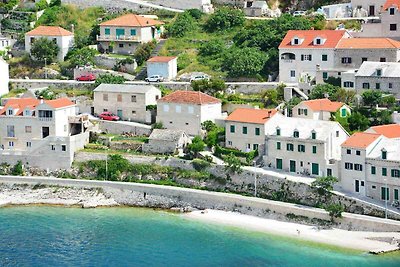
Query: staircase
column 143, row 72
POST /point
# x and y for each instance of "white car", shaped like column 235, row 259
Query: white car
column 299, row 13
column 200, row 77
column 154, row 78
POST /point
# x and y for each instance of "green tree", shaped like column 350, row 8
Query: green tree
column 209, row 87
column 195, row 13
column 18, row 169
column 246, row 62
column 371, row 97
column 344, row 96
column 324, row 90
column 82, row 57
column 212, row 48
column 324, row 184
column 270, row 98
column 182, row 25
column 42, row 4
column 334, row 210
column 143, row 52
column 110, row 79
column 358, row 122
column 208, row 126
column 45, row 94
column 44, row 48
column 233, row 164
column 388, row 101
column 224, row 19
column 196, row 146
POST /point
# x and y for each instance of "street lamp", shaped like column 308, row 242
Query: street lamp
column 106, row 163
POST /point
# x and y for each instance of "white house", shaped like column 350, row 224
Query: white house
column 43, row 134
column 6, row 43
column 63, row 38
column 167, row 67
column 245, row 127
column 127, row 101
column 303, row 53
column 4, row 77
column 186, row 110
column 371, row 164
column 124, row 34
column 320, row 109
column 304, row 146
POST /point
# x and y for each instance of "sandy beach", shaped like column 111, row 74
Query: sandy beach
column 358, row 240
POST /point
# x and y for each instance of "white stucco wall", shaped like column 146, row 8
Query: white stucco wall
column 4, row 77
column 168, row 70
column 63, row 42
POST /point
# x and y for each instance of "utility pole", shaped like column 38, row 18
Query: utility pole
column 255, row 179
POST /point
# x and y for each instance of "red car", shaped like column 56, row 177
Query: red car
column 108, row 116
column 86, row 78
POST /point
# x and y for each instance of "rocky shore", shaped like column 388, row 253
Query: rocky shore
column 24, row 194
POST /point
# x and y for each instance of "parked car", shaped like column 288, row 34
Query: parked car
column 86, row 78
column 200, row 77
column 108, row 116
column 154, row 78
column 299, row 13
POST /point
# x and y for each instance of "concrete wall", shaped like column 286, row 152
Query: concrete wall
column 123, row 127
column 167, row 197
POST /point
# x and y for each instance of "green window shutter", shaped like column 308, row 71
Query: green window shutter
column 314, row 135
column 325, row 75
column 232, row 128
column 120, row 32
column 324, row 57
column 133, row 32
column 384, row 193
column 305, row 112
column 244, row 130
column 396, row 194
column 344, row 112
column 107, row 31
column 278, row 145
column 315, row 168
column 278, row 131
column 257, row 131
column 384, row 172
column 279, row 164
column 314, row 149
column 373, row 170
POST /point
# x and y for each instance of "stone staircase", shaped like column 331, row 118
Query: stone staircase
column 143, row 72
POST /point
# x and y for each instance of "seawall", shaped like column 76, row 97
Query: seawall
column 146, row 195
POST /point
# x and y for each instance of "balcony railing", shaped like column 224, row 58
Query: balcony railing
column 117, row 38
column 45, row 119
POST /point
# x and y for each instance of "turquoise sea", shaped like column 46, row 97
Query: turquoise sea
column 57, row 236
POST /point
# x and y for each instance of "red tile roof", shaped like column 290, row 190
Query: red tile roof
column 390, row 131
column 323, row 105
column 132, row 20
column 368, row 43
column 161, row 59
column 49, row 31
column 332, row 38
column 390, row 3
column 360, row 140
column 22, row 103
column 190, row 97
column 247, row 115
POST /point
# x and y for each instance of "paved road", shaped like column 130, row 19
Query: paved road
column 147, row 4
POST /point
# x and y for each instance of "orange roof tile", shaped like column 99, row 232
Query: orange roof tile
column 368, row 43
column 332, row 38
column 390, row 131
column 49, row 31
column 360, row 140
column 23, row 103
column 390, row 3
column 190, row 97
column 161, row 59
column 132, row 20
column 323, row 105
column 248, row 115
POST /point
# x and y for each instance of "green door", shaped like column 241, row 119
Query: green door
column 384, row 193
column 396, row 194
column 292, row 166
column 279, row 164
column 315, row 169
column 119, row 113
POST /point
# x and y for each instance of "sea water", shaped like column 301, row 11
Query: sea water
column 58, row 236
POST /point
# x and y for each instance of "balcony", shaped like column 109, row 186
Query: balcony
column 45, row 119
column 118, row 38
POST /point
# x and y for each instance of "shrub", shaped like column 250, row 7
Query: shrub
column 109, row 79
column 18, row 169
column 225, row 19
column 324, row 184
column 143, row 52
column 196, row 146
column 183, row 24
column 199, row 164
column 335, row 210
column 233, row 164
column 211, row 48
column 44, row 48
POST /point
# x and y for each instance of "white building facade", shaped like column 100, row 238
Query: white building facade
column 4, row 77
column 167, row 67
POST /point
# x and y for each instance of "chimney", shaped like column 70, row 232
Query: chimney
column 41, row 99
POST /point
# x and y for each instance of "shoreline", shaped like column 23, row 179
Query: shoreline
column 355, row 240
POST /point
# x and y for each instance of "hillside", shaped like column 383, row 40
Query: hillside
column 307, row 4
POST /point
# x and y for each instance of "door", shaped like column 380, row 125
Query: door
column 45, row 132
column 292, row 166
column 119, row 113
column 315, row 169
column 279, row 164
column 372, row 10
column 357, row 186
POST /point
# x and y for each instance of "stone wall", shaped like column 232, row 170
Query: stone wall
column 146, row 195
column 122, row 127
column 109, row 5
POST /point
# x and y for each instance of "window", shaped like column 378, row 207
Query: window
column 348, row 166
column 348, row 84
column 306, row 57
column 120, row 45
column 373, row 170
column 358, row 152
column 301, row 148
column 107, row 31
column 384, row 172
column 53, row 147
column 166, row 108
column 393, row 27
column 255, row 147
column 337, row 133
column 390, row 85
column 292, row 73
column 314, row 149
column 279, row 164
column 289, row 147
column 28, row 129
column 296, row 134
column 10, row 131
column 296, row 41
column 391, row 11
column 178, row 109
column 343, row 112
column 190, row 109
column 348, row 151
column 105, row 97
column 395, row 173
column 365, row 85
column 384, row 193
column 278, row 145
column 134, row 112
column 133, row 32
column 119, row 98
column 325, row 75
column 324, row 57
column 278, row 131
column 63, row 148
column 244, row 130
column 379, row 72
column 10, row 111
column 358, row 167
column 257, row 131
column 313, row 135
column 329, row 172
column 364, row 59
column 382, row 59
column 378, row 86
column 11, row 144
column 120, row 32
column 396, row 194
column 133, row 98
column 346, row 60
column 45, row 114
column 229, row 143
column 232, row 128
column 384, row 154
column 315, row 169
column 318, row 41
column 28, row 144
